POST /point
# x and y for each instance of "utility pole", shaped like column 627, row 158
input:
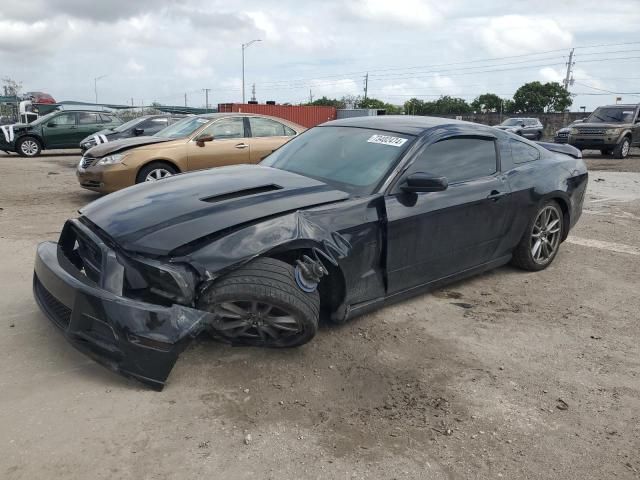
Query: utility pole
column 366, row 85
column 253, row 93
column 244, row 47
column 132, row 101
column 185, row 99
column 310, row 96
column 95, row 84
column 206, row 97
column 568, row 80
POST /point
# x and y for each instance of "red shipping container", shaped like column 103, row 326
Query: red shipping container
column 307, row 116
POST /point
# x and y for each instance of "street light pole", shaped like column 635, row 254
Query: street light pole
column 95, row 85
column 244, row 47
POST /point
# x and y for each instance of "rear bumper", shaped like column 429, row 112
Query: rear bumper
column 136, row 339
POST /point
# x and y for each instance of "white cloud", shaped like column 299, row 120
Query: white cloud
column 408, row 12
column 518, row 34
column 134, row 66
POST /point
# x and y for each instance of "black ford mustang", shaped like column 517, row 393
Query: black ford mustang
column 341, row 220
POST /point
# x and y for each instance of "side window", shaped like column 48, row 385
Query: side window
column 289, row 132
column 64, row 120
column 225, row 128
column 522, row 152
column 105, row 118
column 458, row 159
column 85, row 118
column 263, row 127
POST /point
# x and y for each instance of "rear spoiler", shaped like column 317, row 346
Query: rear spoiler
column 561, row 148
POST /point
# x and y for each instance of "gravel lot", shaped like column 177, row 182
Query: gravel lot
column 509, row 374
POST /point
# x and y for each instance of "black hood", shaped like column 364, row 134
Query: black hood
column 159, row 217
column 103, row 149
column 602, row 125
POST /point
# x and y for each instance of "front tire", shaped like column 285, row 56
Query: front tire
column 541, row 240
column 29, row 147
column 155, row 171
column 622, row 149
column 261, row 304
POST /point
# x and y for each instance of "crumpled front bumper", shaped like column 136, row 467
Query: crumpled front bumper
column 136, row 339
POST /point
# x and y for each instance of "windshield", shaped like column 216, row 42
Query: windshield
column 352, row 159
column 130, row 124
column 510, row 122
column 44, row 118
column 612, row 115
column 183, row 128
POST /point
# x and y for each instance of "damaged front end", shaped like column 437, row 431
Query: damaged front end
column 136, row 314
column 128, row 314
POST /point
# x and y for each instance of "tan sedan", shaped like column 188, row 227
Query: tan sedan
column 194, row 143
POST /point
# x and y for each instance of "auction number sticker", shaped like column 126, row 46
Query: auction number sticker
column 387, row 140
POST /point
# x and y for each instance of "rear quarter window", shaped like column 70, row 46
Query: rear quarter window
column 523, row 153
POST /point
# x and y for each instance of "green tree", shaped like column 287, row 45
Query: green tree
column 327, row 102
column 487, row 102
column 536, row 97
column 379, row 105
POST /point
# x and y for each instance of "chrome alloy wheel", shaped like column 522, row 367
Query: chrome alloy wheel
column 157, row 174
column 625, row 148
column 29, row 148
column 545, row 236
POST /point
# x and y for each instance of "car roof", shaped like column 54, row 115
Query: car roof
column 621, row 105
column 249, row 114
column 406, row 124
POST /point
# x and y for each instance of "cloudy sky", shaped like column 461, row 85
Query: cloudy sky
column 158, row 50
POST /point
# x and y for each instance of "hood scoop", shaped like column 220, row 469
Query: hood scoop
column 241, row 193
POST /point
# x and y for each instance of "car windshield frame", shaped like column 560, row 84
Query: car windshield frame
column 174, row 131
column 127, row 125
column 600, row 115
column 283, row 155
column 45, row 118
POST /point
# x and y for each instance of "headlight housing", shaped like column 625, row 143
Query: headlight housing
column 575, row 131
column 171, row 281
column 112, row 159
column 612, row 131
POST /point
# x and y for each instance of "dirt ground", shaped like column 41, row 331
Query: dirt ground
column 507, row 375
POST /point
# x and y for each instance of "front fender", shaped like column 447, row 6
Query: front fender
column 292, row 231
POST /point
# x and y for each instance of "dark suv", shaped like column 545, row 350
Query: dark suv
column 612, row 129
column 59, row 129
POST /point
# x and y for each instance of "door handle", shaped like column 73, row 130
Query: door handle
column 495, row 195
column 242, row 145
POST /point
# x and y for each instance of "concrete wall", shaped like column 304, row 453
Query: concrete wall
column 551, row 121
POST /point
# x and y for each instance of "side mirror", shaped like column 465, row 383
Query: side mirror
column 424, row 182
column 52, row 124
column 202, row 139
column 138, row 131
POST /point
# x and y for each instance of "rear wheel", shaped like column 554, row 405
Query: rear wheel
column 155, row 171
column 541, row 240
column 261, row 304
column 622, row 149
column 29, row 147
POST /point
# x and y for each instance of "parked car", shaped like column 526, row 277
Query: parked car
column 612, row 129
column 59, row 129
column 197, row 142
column 562, row 135
column 347, row 217
column 145, row 125
column 530, row 128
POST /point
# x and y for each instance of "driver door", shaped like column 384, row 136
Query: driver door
column 229, row 146
column 434, row 235
column 61, row 130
